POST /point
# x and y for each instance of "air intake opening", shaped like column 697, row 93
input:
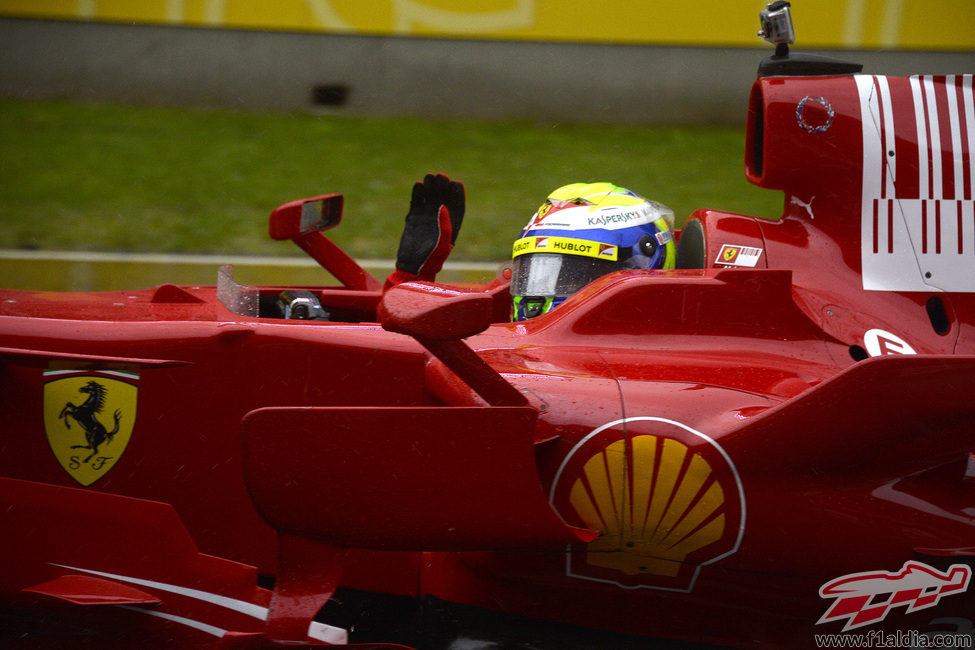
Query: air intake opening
column 938, row 315
column 858, row 353
column 755, row 137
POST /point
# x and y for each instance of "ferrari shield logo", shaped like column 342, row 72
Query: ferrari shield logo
column 88, row 419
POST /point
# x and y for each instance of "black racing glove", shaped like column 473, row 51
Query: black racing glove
column 432, row 225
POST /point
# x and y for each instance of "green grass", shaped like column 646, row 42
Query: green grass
column 105, row 177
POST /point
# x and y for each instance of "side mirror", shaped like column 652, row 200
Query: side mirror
column 303, row 221
column 303, row 216
column 438, row 318
column 431, row 312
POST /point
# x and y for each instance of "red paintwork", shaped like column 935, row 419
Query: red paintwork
column 721, row 428
column 84, row 590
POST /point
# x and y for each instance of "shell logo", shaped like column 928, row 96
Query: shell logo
column 666, row 499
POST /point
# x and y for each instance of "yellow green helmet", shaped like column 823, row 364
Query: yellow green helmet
column 581, row 232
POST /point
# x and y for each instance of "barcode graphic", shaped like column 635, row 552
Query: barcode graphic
column 733, row 255
column 918, row 212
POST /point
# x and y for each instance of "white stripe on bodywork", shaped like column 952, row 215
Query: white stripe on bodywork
column 922, row 138
column 76, row 371
column 956, row 146
column 881, row 271
column 189, row 622
column 890, row 161
column 317, row 631
column 242, row 606
column 872, row 142
column 55, row 373
column 901, row 261
column 934, row 126
column 969, row 101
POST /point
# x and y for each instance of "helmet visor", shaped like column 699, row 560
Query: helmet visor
column 555, row 275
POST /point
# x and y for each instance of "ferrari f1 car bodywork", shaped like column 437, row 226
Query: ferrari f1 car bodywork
column 771, row 442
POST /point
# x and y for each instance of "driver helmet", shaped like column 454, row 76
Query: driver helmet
column 581, row 232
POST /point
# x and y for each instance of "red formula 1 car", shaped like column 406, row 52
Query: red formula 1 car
column 767, row 447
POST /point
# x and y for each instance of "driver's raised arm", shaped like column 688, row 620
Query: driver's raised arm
column 432, row 224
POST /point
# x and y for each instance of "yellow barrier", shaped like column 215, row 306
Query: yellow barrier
column 904, row 24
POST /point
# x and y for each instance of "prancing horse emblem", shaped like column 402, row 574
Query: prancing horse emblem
column 99, row 404
column 95, row 432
